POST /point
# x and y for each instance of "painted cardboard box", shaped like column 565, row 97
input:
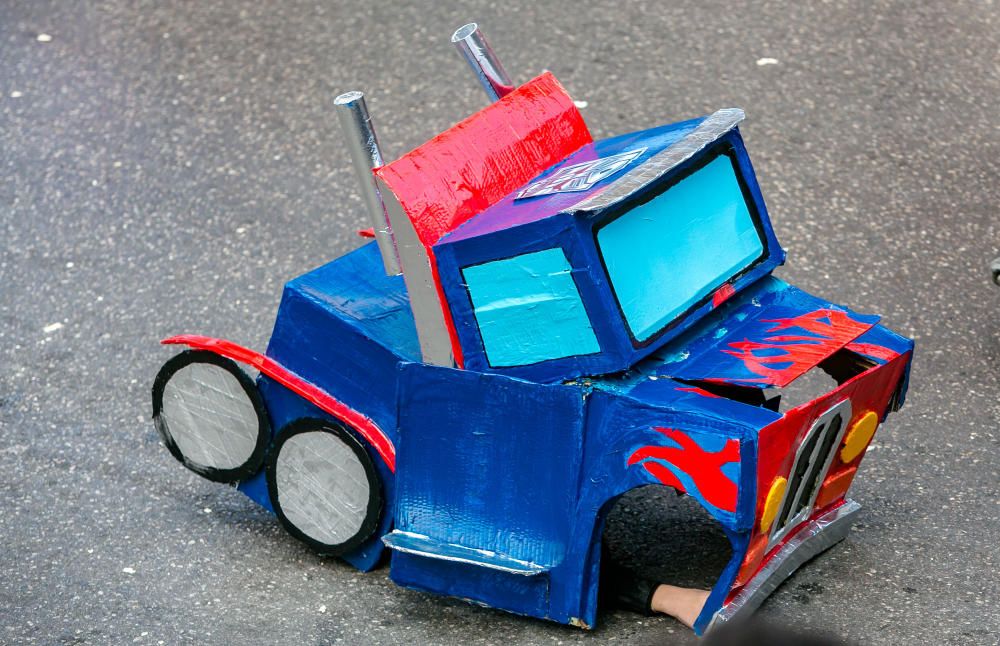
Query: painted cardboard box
column 573, row 319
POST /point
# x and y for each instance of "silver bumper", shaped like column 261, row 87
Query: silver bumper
column 814, row 537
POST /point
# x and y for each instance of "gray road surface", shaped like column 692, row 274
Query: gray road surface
column 167, row 166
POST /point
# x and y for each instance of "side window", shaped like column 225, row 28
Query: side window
column 529, row 310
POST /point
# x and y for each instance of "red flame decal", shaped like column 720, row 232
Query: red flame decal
column 873, row 350
column 704, row 467
column 698, row 391
column 828, row 331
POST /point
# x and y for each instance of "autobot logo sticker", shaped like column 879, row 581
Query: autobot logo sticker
column 580, row 177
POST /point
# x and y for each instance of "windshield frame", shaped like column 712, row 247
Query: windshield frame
column 709, row 155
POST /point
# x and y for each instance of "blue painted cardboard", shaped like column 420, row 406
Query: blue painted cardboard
column 537, row 467
column 504, row 474
column 346, row 325
column 705, row 352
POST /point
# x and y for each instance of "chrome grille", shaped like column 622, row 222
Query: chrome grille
column 812, row 462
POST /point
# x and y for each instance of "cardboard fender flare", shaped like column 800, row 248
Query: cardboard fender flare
column 360, row 423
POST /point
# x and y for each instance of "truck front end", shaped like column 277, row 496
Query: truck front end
column 808, row 458
column 810, row 382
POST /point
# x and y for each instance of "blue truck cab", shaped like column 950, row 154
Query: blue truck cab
column 605, row 322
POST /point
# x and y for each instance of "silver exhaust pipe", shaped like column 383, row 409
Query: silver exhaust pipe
column 366, row 155
column 472, row 45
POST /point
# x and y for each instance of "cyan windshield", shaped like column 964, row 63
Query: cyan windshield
column 666, row 255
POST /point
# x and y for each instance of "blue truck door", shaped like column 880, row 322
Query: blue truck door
column 487, row 474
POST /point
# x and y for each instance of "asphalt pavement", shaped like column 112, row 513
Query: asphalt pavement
column 166, row 166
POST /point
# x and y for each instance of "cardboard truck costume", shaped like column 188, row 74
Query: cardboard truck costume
column 544, row 323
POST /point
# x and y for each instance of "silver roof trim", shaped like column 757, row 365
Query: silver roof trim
column 708, row 131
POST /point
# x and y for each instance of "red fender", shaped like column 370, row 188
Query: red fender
column 363, row 424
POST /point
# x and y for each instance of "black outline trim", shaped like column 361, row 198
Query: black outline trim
column 706, row 157
column 184, row 359
column 375, row 499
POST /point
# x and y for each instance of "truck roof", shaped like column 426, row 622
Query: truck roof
column 629, row 161
column 512, row 211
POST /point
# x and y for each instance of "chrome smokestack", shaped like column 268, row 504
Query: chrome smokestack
column 472, row 45
column 366, row 155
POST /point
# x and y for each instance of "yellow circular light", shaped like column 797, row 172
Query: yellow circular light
column 859, row 436
column 774, row 497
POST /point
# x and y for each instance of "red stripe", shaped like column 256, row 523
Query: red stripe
column 314, row 394
column 449, row 322
column 722, row 294
column 699, row 391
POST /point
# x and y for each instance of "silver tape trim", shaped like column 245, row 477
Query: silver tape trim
column 409, row 543
column 428, row 310
column 362, row 143
column 815, row 537
column 210, row 417
column 793, row 498
column 322, row 487
column 475, row 49
column 707, row 132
